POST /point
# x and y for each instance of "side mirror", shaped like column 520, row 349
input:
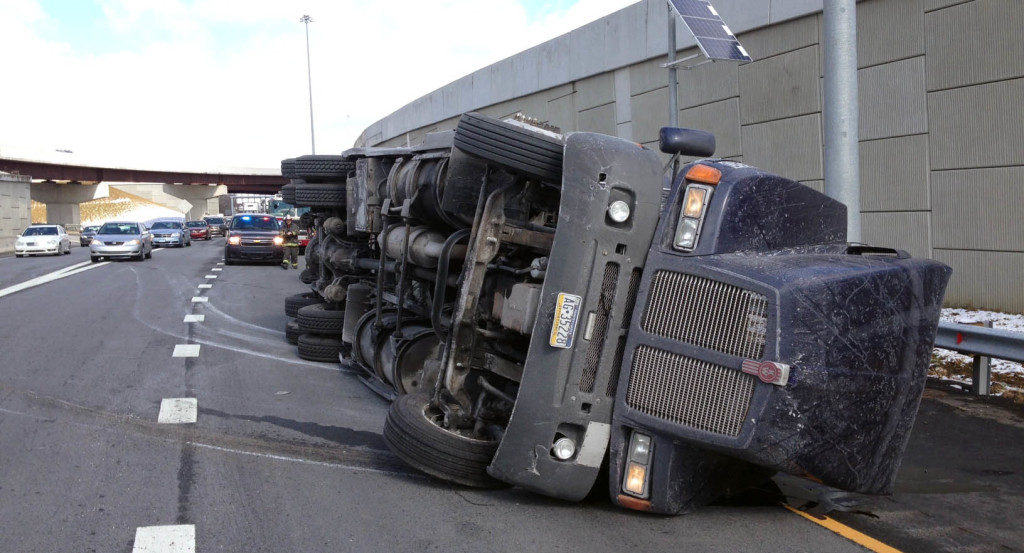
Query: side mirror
column 686, row 142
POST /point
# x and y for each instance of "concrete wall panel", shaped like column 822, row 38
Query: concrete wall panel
column 972, row 43
column 979, row 209
column 978, row 126
column 648, row 76
column 931, row 5
column 901, row 230
column 562, row 113
column 711, row 82
column 779, row 39
column 894, row 174
column 720, row 118
column 782, row 86
column 984, row 280
column 600, row 119
column 595, row 91
column 893, row 100
column 788, row 147
column 650, row 114
column 889, row 30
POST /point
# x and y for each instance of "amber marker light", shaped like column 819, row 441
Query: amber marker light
column 704, row 174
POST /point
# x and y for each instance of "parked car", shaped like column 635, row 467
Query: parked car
column 198, row 230
column 253, row 237
column 170, row 233
column 85, row 236
column 218, row 225
column 544, row 316
column 42, row 240
column 121, row 239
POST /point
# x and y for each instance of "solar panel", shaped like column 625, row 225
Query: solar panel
column 713, row 36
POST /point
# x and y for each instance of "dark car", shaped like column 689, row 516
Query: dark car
column 218, row 225
column 254, row 237
column 86, row 235
column 198, row 230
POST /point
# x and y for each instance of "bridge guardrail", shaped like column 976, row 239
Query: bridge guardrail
column 983, row 342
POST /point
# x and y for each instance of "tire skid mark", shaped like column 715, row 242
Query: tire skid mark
column 349, row 456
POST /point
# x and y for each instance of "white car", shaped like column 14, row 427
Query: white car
column 43, row 239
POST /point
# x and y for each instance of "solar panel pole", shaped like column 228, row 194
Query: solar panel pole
column 842, row 150
column 309, row 75
column 673, row 81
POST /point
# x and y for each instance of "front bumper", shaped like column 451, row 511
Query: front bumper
column 159, row 240
column 255, row 253
column 116, row 251
column 36, row 249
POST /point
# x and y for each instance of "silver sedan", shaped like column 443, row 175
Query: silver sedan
column 121, row 239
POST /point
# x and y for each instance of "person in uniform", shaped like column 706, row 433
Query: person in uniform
column 290, row 235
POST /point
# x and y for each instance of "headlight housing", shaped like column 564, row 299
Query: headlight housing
column 134, row 242
column 234, row 240
column 278, row 240
column 691, row 216
column 95, row 242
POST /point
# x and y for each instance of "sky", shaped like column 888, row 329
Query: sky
column 205, row 84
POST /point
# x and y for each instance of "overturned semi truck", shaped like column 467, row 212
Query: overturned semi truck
column 562, row 313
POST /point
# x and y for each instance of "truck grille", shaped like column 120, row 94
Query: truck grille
column 690, row 392
column 708, row 314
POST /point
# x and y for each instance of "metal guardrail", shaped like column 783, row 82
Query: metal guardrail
column 984, row 343
column 979, row 340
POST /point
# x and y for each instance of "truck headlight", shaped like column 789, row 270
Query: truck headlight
column 563, row 449
column 234, row 240
column 618, row 211
column 278, row 240
column 691, row 216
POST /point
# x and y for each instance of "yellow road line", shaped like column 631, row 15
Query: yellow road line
column 847, row 532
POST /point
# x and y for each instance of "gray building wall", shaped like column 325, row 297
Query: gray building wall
column 15, row 209
column 941, row 86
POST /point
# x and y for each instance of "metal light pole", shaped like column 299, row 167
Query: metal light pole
column 309, row 74
column 842, row 149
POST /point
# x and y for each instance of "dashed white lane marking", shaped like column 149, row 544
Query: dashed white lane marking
column 65, row 272
column 210, row 276
column 178, row 410
column 217, row 269
column 220, row 263
column 194, row 318
column 186, row 350
column 165, row 539
column 200, row 299
column 205, row 286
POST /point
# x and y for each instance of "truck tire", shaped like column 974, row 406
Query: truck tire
column 292, row 332
column 320, row 194
column 288, row 192
column 322, row 319
column 525, row 152
column 319, row 348
column 412, row 433
column 288, row 168
column 294, row 302
column 323, row 168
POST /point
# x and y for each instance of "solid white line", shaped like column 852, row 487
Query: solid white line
column 186, row 350
column 194, row 318
column 50, row 277
column 302, row 461
column 200, row 299
column 165, row 539
column 178, row 410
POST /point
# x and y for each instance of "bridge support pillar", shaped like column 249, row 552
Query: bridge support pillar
column 204, row 199
column 15, row 209
column 62, row 200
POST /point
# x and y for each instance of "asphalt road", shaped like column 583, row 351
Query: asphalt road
column 287, row 455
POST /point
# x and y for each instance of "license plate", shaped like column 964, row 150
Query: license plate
column 567, row 315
